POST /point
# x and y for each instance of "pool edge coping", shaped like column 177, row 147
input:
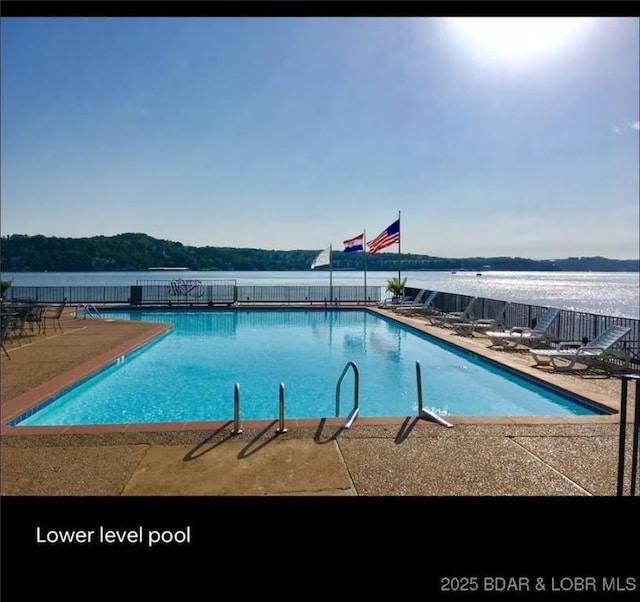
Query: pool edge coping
column 13, row 408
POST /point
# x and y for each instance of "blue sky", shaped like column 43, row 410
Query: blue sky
column 294, row 133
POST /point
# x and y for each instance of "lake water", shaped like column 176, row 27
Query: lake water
column 608, row 293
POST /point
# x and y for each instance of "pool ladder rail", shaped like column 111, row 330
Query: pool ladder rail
column 356, row 394
column 236, row 410
column 90, row 310
column 422, row 412
column 353, row 414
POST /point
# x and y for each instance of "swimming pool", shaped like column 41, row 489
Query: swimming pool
column 189, row 373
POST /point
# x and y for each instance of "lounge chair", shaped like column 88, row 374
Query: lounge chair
column 518, row 335
column 481, row 324
column 453, row 316
column 595, row 354
column 394, row 302
column 419, row 307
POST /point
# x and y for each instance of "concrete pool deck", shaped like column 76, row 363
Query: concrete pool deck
column 574, row 456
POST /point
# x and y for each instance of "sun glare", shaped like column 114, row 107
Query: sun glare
column 516, row 39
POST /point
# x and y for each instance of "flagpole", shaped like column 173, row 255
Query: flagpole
column 364, row 248
column 399, row 255
column 330, row 274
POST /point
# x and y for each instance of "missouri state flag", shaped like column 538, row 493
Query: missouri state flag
column 387, row 237
column 354, row 244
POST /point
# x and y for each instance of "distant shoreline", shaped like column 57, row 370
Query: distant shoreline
column 321, row 269
column 139, row 252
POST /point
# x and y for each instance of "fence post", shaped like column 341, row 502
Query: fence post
column 622, row 436
column 136, row 295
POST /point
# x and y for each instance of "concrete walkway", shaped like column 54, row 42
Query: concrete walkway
column 418, row 459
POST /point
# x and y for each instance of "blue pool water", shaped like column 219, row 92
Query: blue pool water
column 189, row 374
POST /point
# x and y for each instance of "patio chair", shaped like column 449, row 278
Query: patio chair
column 53, row 314
column 532, row 337
column 21, row 312
column 481, row 325
column 597, row 353
column 34, row 317
column 450, row 317
column 8, row 326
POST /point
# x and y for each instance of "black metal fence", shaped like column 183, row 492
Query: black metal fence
column 570, row 325
column 307, row 294
column 194, row 292
column 183, row 291
column 73, row 294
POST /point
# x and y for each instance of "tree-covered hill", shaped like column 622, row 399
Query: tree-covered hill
column 135, row 251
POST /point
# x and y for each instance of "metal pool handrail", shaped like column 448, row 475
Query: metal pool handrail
column 356, row 394
column 422, row 413
column 281, row 428
column 236, row 410
column 89, row 310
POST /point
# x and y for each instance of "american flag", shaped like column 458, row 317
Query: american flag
column 386, row 238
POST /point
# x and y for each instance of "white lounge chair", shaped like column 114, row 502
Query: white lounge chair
column 453, row 316
column 510, row 339
column 393, row 302
column 481, row 324
column 418, row 307
column 595, row 354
